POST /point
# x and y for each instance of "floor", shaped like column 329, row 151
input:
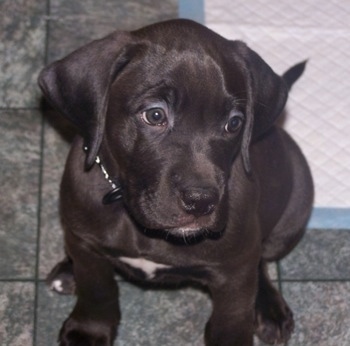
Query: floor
column 315, row 278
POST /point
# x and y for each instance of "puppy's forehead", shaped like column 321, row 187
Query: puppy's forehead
column 190, row 48
column 179, row 34
column 189, row 79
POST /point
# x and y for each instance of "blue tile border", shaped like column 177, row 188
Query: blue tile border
column 192, row 9
column 330, row 218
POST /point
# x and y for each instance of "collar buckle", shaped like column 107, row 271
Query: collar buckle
column 116, row 193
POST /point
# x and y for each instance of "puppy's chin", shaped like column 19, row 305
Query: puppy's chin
column 192, row 233
column 189, row 236
column 190, row 228
column 187, row 231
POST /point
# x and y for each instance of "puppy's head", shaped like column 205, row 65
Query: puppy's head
column 169, row 108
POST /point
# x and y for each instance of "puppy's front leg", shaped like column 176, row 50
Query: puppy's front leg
column 232, row 319
column 95, row 316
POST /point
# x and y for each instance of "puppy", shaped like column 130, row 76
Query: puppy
column 178, row 174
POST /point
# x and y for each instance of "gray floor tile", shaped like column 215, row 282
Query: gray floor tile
column 22, row 48
column 16, row 313
column 321, row 312
column 75, row 23
column 51, row 240
column 174, row 317
column 321, row 255
column 20, row 133
column 69, row 35
column 122, row 12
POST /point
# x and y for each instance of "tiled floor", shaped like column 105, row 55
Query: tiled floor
column 315, row 279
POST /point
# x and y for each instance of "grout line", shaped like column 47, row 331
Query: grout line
column 2, row 109
column 284, row 278
column 40, row 181
column 314, row 280
column 20, row 280
column 37, row 262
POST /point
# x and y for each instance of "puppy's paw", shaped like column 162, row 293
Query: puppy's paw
column 274, row 321
column 88, row 333
column 61, row 279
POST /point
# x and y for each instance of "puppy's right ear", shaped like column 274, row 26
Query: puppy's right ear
column 78, row 85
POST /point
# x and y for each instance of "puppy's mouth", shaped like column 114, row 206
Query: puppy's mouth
column 186, row 224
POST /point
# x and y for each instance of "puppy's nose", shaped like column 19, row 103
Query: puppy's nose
column 199, row 201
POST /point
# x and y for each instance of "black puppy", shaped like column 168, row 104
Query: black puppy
column 179, row 122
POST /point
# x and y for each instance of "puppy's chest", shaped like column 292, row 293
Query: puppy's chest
column 140, row 268
column 146, row 268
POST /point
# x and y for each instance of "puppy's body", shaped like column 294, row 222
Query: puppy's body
column 211, row 188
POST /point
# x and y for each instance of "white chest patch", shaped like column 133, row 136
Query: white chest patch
column 148, row 267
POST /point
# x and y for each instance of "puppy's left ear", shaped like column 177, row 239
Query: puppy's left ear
column 266, row 94
column 78, row 86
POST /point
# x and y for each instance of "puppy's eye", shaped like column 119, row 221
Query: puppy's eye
column 154, row 116
column 234, row 123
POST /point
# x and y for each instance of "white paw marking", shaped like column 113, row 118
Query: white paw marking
column 148, row 267
column 57, row 286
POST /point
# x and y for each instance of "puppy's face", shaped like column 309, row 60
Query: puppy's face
column 169, row 108
column 174, row 127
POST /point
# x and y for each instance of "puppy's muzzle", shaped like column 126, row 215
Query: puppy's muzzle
column 199, row 201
